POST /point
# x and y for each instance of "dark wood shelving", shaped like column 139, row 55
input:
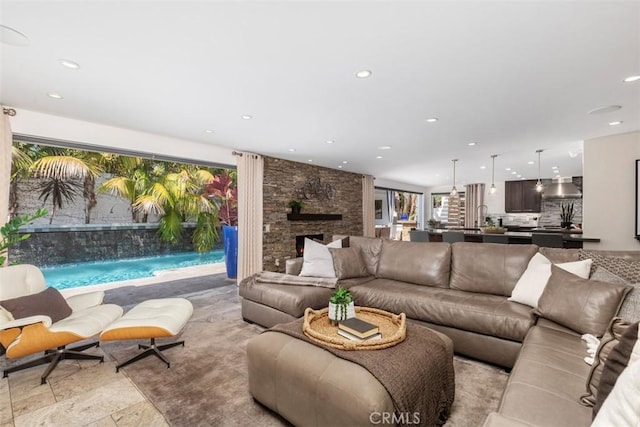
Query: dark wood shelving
column 314, row 217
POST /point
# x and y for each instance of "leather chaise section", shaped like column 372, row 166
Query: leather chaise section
column 287, row 298
column 547, row 380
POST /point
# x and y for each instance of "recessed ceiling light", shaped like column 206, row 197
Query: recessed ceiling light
column 310, row 160
column 363, row 74
column 471, row 144
column 554, row 167
column 209, row 131
column 604, row 110
column 523, row 178
column 432, row 120
column 12, row 37
column 378, row 157
column 69, row 64
column 514, row 173
column 54, row 95
column 483, row 167
column 557, row 176
column 384, row 147
column 344, row 162
column 246, row 117
column 339, row 166
column 632, row 79
column 616, row 123
column 519, row 176
column 330, row 141
column 508, row 169
column 530, row 162
column 292, row 149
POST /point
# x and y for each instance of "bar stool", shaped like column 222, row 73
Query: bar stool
column 418, row 236
column 495, row 238
column 452, row 236
column 548, row 240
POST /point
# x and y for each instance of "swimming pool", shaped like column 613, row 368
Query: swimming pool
column 93, row 273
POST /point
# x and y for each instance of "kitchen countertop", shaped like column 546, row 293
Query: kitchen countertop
column 575, row 237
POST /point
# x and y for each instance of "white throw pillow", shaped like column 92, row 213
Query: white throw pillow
column 622, row 407
column 317, row 260
column 534, row 279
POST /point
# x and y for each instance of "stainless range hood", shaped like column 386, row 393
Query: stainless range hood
column 561, row 188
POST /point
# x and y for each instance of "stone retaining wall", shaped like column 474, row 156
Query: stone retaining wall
column 68, row 244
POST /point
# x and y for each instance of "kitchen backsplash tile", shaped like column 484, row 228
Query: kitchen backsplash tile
column 550, row 216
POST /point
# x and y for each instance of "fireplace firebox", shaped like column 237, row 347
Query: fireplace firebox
column 300, row 242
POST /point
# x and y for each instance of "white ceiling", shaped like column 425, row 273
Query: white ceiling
column 513, row 77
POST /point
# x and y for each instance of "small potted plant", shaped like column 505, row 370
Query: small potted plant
column 566, row 215
column 296, row 206
column 341, row 306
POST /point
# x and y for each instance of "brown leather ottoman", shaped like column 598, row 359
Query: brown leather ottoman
column 309, row 386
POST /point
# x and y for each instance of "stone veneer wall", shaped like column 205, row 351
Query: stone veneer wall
column 283, row 181
column 54, row 245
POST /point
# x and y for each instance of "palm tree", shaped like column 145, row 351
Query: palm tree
column 62, row 172
column 179, row 197
column 133, row 181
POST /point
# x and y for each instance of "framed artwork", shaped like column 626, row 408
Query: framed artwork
column 638, row 199
column 378, row 209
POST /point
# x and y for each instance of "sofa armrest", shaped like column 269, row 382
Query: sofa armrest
column 496, row 420
column 82, row 301
column 294, row 266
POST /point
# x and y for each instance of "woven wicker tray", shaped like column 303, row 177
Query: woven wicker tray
column 318, row 327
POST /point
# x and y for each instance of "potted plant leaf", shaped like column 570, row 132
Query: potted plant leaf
column 566, row 215
column 341, row 306
column 296, row 206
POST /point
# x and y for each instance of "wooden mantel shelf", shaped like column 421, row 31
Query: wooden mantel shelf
column 314, row 217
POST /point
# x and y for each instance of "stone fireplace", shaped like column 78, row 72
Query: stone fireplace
column 285, row 180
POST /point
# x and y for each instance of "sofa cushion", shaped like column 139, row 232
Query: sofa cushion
column 534, row 279
column 49, row 302
column 547, row 380
column 289, row 299
column 481, row 313
column 347, row 263
column 489, row 269
column 622, row 407
column 317, row 261
column 630, row 309
column 626, row 267
column 627, row 351
column 585, row 306
column 616, row 328
column 413, row 262
column 369, row 250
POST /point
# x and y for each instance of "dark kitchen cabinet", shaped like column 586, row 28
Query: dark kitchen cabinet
column 521, row 196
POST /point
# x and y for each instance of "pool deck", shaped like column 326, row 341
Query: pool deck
column 160, row 277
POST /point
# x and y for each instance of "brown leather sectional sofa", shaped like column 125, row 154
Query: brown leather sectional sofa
column 460, row 290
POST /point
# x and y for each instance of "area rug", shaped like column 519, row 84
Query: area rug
column 207, row 383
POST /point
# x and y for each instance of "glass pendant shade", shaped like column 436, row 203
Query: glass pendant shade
column 539, row 183
column 493, row 188
column 454, row 191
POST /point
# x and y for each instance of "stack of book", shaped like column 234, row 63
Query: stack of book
column 358, row 330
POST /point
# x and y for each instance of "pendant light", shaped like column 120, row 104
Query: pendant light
column 493, row 190
column 454, row 191
column 539, row 183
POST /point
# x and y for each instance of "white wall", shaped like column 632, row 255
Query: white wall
column 609, row 210
column 48, row 126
